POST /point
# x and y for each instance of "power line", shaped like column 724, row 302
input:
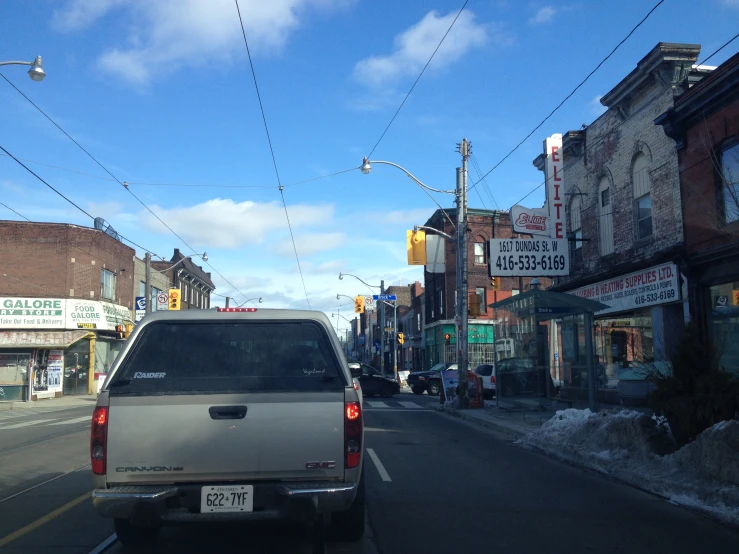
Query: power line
column 720, row 48
column 485, row 186
column 272, row 151
column 604, row 60
column 16, row 213
column 417, row 79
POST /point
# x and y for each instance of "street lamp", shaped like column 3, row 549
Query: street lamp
column 36, row 72
column 462, row 313
column 249, row 300
column 382, row 311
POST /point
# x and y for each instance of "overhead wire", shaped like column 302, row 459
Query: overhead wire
column 272, row 151
column 732, row 39
column 109, row 173
column 417, row 79
column 604, row 60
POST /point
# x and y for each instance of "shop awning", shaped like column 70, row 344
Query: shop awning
column 41, row 339
column 550, row 305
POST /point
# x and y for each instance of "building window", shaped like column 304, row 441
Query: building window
column 642, row 197
column 207, row 302
column 480, row 252
column 481, row 296
column 514, row 292
column 107, row 284
column 730, row 181
column 142, row 288
column 441, row 303
column 576, row 230
column 418, row 322
column 154, row 298
column 605, row 214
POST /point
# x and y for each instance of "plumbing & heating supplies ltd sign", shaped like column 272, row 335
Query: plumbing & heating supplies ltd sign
column 56, row 313
column 547, row 253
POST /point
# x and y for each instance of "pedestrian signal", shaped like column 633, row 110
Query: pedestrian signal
column 401, row 338
column 359, row 304
column 416, row 246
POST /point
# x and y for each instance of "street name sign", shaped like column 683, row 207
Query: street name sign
column 385, row 297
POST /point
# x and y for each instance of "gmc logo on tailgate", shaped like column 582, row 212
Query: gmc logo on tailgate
column 320, row 465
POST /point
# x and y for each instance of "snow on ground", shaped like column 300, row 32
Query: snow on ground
column 639, row 450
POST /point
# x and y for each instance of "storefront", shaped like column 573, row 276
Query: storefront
column 440, row 342
column 632, row 337
column 59, row 345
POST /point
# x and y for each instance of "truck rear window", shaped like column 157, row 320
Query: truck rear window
column 191, row 357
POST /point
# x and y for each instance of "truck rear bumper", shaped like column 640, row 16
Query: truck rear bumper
column 151, row 505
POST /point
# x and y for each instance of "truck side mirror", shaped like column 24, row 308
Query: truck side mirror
column 356, row 371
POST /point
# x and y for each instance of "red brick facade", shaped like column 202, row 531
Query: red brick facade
column 62, row 261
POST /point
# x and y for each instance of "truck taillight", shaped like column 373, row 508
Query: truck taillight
column 352, row 434
column 492, row 379
column 98, row 439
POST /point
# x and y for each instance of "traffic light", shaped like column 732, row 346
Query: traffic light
column 359, row 304
column 401, row 338
column 127, row 331
column 416, row 246
column 119, row 331
column 494, row 282
column 174, row 299
column 447, row 337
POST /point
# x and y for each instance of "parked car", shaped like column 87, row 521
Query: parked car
column 215, row 415
column 487, row 373
column 429, row 381
column 374, row 382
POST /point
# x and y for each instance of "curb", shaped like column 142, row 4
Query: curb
column 512, row 430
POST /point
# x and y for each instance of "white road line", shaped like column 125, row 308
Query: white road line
column 25, row 424
column 75, row 420
column 103, row 546
column 411, row 405
column 378, row 464
column 377, row 404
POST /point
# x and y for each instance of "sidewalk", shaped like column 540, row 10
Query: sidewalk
column 515, row 424
column 63, row 402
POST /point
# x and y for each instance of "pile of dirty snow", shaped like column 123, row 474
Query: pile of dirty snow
column 639, row 450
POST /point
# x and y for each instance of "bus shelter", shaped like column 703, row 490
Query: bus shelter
column 544, row 350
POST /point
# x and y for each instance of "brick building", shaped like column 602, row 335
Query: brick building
column 704, row 123
column 65, row 293
column 625, row 220
column 440, row 340
column 195, row 284
column 411, row 325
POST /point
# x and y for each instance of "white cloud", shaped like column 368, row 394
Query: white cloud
column 730, row 3
column 223, row 223
column 166, row 35
column 544, row 15
column 414, row 46
column 308, row 244
column 596, row 107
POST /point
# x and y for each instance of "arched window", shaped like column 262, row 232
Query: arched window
column 642, row 196
column 480, row 257
column 605, row 214
column 730, row 180
column 576, row 230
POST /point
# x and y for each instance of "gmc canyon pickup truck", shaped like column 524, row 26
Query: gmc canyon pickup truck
column 229, row 414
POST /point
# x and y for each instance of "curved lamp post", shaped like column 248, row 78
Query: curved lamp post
column 259, row 299
column 36, row 72
column 382, row 311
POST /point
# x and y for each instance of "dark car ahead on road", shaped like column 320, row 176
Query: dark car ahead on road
column 373, row 382
column 429, row 380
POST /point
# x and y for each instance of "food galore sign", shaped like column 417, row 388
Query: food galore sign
column 55, row 313
column 652, row 286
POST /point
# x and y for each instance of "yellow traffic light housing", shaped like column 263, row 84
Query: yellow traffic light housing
column 174, row 299
column 416, row 246
column 401, row 338
column 494, row 282
column 359, row 304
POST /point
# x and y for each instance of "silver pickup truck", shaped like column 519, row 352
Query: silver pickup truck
column 229, row 414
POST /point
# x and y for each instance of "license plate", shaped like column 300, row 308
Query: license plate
column 227, row 498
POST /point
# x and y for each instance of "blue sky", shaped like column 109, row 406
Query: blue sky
column 161, row 92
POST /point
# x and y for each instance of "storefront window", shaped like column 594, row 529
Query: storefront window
column 624, row 347
column 725, row 325
column 13, row 370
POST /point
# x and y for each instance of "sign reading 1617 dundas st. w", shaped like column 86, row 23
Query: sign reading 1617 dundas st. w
column 547, row 253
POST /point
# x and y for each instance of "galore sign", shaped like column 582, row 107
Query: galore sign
column 54, row 313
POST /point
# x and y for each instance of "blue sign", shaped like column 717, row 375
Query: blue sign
column 361, row 339
column 385, row 297
column 140, row 302
column 377, row 343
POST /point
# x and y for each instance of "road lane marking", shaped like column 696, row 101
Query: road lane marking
column 27, row 424
column 103, row 546
column 377, row 404
column 29, row 489
column 378, row 464
column 411, row 405
column 7, row 539
column 76, row 420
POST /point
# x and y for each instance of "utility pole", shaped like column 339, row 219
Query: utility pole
column 462, row 288
column 394, row 339
column 382, row 329
column 147, row 263
column 227, row 299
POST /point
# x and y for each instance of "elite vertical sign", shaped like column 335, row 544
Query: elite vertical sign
column 547, row 253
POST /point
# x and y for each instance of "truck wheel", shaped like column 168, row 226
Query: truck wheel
column 134, row 535
column 348, row 526
column 417, row 390
column 434, row 388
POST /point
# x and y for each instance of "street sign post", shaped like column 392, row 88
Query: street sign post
column 385, row 297
column 140, row 308
column 162, row 301
column 369, row 303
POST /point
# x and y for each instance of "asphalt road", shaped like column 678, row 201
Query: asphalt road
column 434, row 484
